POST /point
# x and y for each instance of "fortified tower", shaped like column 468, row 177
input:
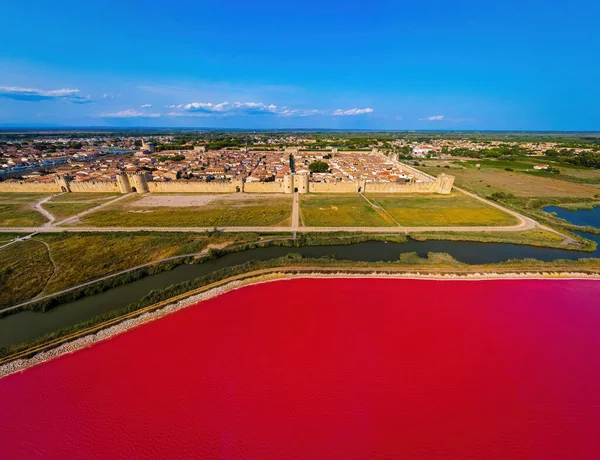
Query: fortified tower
column 238, row 184
column 139, row 182
column 63, row 182
column 361, row 185
column 123, row 181
column 288, row 183
column 301, row 183
column 445, row 183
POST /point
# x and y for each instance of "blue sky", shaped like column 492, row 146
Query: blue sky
column 419, row 64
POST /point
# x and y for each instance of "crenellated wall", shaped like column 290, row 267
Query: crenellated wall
column 15, row 186
column 141, row 183
column 192, row 187
column 107, row 186
column 333, row 187
column 264, row 187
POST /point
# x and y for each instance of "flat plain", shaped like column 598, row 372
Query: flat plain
column 16, row 210
column 488, row 180
column 456, row 209
column 69, row 204
column 341, row 210
column 197, row 211
column 26, row 269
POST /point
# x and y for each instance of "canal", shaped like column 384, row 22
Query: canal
column 27, row 325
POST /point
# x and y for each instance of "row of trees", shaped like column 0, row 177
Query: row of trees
column 589, row 159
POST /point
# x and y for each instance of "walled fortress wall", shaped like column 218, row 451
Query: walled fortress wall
column 264, row 187
column 14, row 186
column 192, row 187
column 333, row 187
column 140, row 183
column 94, row 186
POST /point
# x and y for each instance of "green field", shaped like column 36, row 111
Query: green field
column 70, row 204
column 534, row 237
column 272, row 211
column 24, row 270
column 25, row 267
column 16, row 210
column 488, row 180
column 340, row 210
column 96, row 198
column 456, row 209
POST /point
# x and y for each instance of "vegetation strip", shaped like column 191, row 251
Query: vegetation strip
column 291, row 271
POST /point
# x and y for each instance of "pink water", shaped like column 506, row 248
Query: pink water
column 330, row 369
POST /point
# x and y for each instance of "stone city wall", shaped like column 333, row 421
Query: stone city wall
column 333, row 187
column 192, row 187
column 14, row 186
column 107, row 186
column 264, row 187
column 140, row 183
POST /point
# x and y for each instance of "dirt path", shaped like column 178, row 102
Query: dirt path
column 76, row 217
column 54, row 268
column 376, row 207
column 38, row 207
column 296, row 212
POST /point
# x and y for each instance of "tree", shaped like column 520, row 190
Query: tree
column 318, row 166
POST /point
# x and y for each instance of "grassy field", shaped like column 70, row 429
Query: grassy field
column 272, row 211
column 24, row 270
column 69, row 204
column 524, row 165
column 456, row 209
column 16, row 210
column 25, row 267
column 487, row 180
column 534, row 237
column 96, row 198
column 340, row 210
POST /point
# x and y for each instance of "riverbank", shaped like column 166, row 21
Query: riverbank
column 86, row 338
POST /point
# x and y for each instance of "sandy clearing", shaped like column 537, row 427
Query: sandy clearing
column 185, row 201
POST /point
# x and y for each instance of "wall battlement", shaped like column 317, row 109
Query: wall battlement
column 140, row 182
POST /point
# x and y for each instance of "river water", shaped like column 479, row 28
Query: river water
column 330, row 369
column 583, row 217
column 28, row 325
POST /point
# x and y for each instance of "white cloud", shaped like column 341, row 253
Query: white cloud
column 432, row 118
column 130, row 113
column 240, row 108
column 32, row 94
column 355, row 111
column 201, row 109
column 145, row 106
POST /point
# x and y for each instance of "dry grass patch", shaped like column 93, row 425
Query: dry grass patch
column 24, row 270
column 341, row 210
column 215, row 211
column 489, row 180
column 456, row 209
column 16, row 210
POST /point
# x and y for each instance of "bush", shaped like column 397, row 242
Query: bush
column 318, row 166
column 497, row 196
